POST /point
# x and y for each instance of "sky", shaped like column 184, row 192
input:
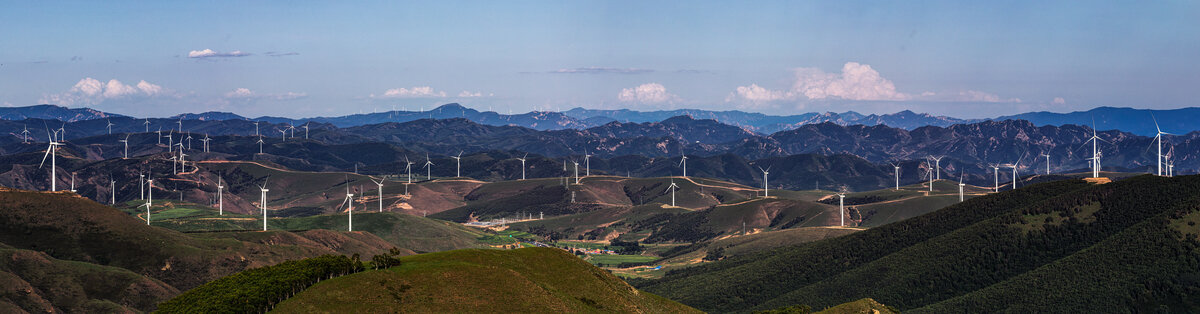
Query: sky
column 967, row 59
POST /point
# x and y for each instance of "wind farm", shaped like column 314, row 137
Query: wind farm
column 706, row 157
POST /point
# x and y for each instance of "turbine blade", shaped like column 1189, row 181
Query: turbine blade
column 46, row 155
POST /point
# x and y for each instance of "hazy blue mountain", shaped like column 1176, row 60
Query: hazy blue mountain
column 52, row 112
column 1136, row 121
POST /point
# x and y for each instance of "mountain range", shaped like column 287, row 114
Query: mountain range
column 1136, row 121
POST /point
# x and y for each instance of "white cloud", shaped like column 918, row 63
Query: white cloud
column 1059, row 101
column 415, row 92
column 855, row 82
column 92, row 91
column 209, row 53
column 650, row 93
column 247, row 94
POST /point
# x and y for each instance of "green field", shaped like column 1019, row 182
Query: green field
column 613, row 260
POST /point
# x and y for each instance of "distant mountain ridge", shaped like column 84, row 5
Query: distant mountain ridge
column 1137, row 121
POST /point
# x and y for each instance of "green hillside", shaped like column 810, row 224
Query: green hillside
column 1057, row 246
column 477, row 281
column 35, row 282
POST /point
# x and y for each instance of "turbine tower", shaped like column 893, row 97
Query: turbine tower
column 260, row 144
column 113, row 186
column 349, row 201
column 457, row 164
column 672, row 189
column 256, row 129
column 220, row 198
column 1047, row 163
column 1095, row 151
column 141, row 187
column 960, row 187
column 766, row 187
column 25, row 135
column 109, row 126
column 158, row 135
column 897, row 172
column 842, row 208
column 126, row 142
column 305, row 130
column 150, row 199
column 51, row 152
column 1014, row 170
column 576, row 171
column 996, row 176
column 263, row 203
column 147, row 124
column 1158, row 137
column 683, row 162
column 428, row 168
column 587, row 164
column 380, row 184
column 205, row 140
column 522, row 159
column 937, row 165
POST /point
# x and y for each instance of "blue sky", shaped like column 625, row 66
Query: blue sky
column 332, row 58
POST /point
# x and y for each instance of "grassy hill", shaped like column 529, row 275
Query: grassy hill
column 522, row 280
column 35, row 282
column 99, row 241
column 1057, row 246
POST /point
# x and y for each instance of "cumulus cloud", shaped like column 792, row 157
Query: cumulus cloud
column 470, row 94
column 856, row 81
column 1059, row 101
column 247, row 94
column 209, row 53
column 650, row 93
column 601, row 70
column 93, row 91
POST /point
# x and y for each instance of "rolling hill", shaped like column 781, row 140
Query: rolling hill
column 522, row 280
column 1056, row 246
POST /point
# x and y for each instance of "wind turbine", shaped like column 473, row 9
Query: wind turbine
column 205, row 140
column 189, row 142
column 170, row 139
column 457, row 164
column 350, row 208
column 897, row 172
column 960, row 187
column 1047, row 163
column 380, row 184
column 996, row 176
column 158, row 135
column 51, row 152
column 109, row 126
column 672, row 189
column 147, row 123
column 220, row 197
column 256, row 129
column 1014, row 168
column 263, row 188
column 1095, row 151
column 112, row 186
column 683, row 162
column 72, row 182
column 150, row 200
column 25, row 135
column 1158, row 137
column 587, row 164
column 576, row 171
column 937, row 165
column 766, row 189
column 930, row 171
column 292, row 129
column 181, row 122
column 522, row 159
column 842, row 207
column 428, row 168
column 305, row 130
column 126, row 141
column 260, row 144
column 62, row 132
column 141, row 187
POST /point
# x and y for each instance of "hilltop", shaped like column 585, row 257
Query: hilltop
column 1057, row 246
column 522, row 280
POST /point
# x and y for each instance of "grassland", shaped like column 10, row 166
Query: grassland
column 509, row 281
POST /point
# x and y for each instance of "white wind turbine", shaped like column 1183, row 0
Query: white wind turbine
column 189, row 142
column 996, row 176
column 842, row 207
column 897, row 172
column 25, row 135
column 587, row 164
column 147, row 124
column 576, row 171
column 170, row 139
column 1014, row 171
column 256, row 129
column 150, row 199
column 292, row 130
column 930, row 172
column 260, row 145
column 1158, row 137
column 960, row 187
column 305, row 130
column 220, row 197
column 205, row 141
column 181, row 123
column 457, row 165
column 1095, row 151
column 522, row 159
column 158, row 135
column 109, row 126
column 683, row 162
column 141, row 186
column 428, row 168
column 62, row 133
column 1047, row 163
column 72, row 182
column 113, row 187
column 349, row 201
column 263, row 203
column 937, row 165
column 380, row 184
column 672, row 188
column 126, row 142
column 766, row 187
column 51, row 152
